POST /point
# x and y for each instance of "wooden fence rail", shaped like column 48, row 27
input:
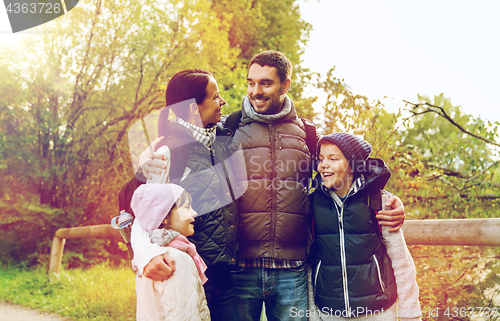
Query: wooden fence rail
column 475, row 232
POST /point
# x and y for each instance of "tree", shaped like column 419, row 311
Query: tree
column 447, row 166
column 71, row 93
column 444, row 164
column 257, row 25
column 465, row 173
column 344, row 110
column 79, row 86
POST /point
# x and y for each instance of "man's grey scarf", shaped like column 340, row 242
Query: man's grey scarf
column 263, row 118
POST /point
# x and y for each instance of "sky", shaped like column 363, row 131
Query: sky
column 403, row 48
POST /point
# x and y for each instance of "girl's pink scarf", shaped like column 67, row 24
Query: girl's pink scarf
column 183, row 244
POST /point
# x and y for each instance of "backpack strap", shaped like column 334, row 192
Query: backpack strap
column 311, row 140
column 375, row 204
column 375, row 200
column 233, row 121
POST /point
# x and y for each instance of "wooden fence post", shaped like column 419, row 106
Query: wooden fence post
column 56, row 252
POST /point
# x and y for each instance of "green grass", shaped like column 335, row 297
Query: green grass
column 99, row 293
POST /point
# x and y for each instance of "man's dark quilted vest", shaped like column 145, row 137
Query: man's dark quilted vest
column 215, row 225
column 371, row 284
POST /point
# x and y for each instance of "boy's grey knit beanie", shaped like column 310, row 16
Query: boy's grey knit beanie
column 355, row 149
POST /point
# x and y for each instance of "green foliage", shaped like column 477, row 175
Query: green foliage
column 445, row 165
column 439, row 156
column 442, row 166
column 99, row 293
column 258, row 25
column 71, row 92
column 27, row 237
column 344, row 110
column 443, row 172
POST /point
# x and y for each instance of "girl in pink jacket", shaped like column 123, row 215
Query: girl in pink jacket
column 164, row 212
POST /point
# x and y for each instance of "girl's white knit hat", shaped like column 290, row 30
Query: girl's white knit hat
column 151, row 203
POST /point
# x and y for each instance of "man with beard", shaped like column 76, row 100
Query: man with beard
column 273, row 213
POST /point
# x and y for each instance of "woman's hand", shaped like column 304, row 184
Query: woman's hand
column 147, row 162
column 395, row 217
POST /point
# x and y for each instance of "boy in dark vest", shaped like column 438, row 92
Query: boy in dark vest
column 360, row 270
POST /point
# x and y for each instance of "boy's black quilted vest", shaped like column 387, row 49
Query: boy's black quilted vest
column 370, row 282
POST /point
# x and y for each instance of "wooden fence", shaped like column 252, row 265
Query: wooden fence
column 56, row 252
column 475, row 232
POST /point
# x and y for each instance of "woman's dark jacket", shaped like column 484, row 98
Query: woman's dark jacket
column 211, row 183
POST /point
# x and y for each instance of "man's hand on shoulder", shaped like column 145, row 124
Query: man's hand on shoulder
column 160, row 268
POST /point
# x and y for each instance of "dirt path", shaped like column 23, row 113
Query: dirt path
column 10, row 312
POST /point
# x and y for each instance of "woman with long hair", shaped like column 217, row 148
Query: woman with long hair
column 194, row 151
